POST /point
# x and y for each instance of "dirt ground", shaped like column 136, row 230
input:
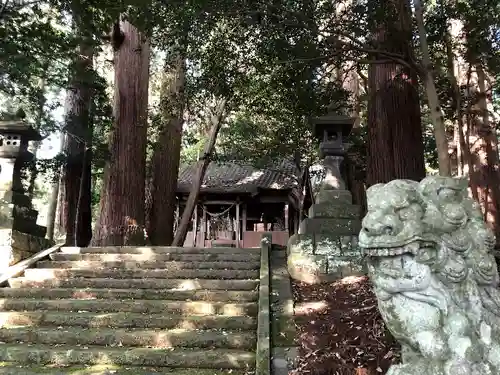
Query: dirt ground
column 340, row 330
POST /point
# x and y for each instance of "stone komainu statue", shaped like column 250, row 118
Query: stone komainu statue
column 429, row 256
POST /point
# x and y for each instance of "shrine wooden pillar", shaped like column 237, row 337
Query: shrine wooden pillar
column 177, row 214
column 238, row 225
column 203, row 225
column 285, row 215
column 195, row 226
column 244, row 217
column 296, row 221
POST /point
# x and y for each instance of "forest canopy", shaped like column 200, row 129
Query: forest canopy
column 242, row 82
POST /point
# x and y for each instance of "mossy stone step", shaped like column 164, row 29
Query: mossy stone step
column 157, row 250
column 181, row 284
column 124, row 320
column 7, row 368
column 147, row 265
column 136, row 306
column 176, row 338
column 122, row 294
column 184, row 358
column 158, row 257
column 142, row 274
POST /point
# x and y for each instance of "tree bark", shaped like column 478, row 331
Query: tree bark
column 216, row 123
column 432, row 96
column 463, row 154
column 166, row 155
column 35, row 146
column 78, row 130
column 121, row 220
column 483, row 149
column 395, row 145
column 52, row 214
column 83, row 219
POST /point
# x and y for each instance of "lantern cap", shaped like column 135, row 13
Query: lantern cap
column 20, row 127
column 333, row 122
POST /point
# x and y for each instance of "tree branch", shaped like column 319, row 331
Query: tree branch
column 2, row 10
column 15, row 8
column 390, row 56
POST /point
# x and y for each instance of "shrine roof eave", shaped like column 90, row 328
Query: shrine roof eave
column 234, row 191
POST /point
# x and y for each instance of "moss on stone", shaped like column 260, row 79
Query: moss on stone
column 125, row 320
column 132, row 338
column 7, row 368
column 70, row 355
column 124, row 294
column 220, row 274
column 283, row 330
column 149, row 283
column 134, row 306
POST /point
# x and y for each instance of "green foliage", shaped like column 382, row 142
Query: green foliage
column 276, row 62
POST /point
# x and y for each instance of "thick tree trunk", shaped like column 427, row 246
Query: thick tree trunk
column 395, row 146
column 483, row 143
column 83, row 220
column 432, row 96
column 77, row 209
column 77, row 132
column 53, row 224
column 216, row 123
column 453, row 71
column 166, row 155
column 51, row 214
column 60, row 215
column 121, row 220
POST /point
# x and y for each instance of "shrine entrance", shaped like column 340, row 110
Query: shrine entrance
column 237, row 204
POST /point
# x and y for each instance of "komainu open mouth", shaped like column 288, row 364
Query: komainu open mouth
column 412, row 247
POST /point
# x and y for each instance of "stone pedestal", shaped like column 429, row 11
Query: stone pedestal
column 16, row 246
column 326, row 246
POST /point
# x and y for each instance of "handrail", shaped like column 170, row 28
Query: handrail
column 17, row 268
column 263, row 351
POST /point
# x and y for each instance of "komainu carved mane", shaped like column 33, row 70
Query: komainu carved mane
column 430, row 259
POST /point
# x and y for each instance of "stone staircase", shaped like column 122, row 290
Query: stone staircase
column 133, row 310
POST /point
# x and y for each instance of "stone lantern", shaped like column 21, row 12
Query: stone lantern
column 325, row 247
column 18, row 227
column 332, row 130
column 14, row 140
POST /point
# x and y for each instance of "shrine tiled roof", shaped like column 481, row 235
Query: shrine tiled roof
column 232, row 177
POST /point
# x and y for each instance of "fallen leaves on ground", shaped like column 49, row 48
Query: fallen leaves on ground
column 340, row 331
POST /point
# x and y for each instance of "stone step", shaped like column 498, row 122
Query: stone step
column 167, row 266
column 147, row 250
column 176, row 338
column 135, row 306
column 332, row 210
column 124, row 320
column 45, row 273
column 330, row 226
column 184, row 358
column 181, row 284
column 7, row 368
column 158, row 257
column 122, row 294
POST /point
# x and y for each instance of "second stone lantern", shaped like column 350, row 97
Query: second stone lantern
column 331, row 130
column 325, row 248
column 20, row 235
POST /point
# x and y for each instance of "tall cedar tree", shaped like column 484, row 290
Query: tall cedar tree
column 166, row 155
column 76, row 211
column 121, row 220
column 395, row 145
column 483, row 153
